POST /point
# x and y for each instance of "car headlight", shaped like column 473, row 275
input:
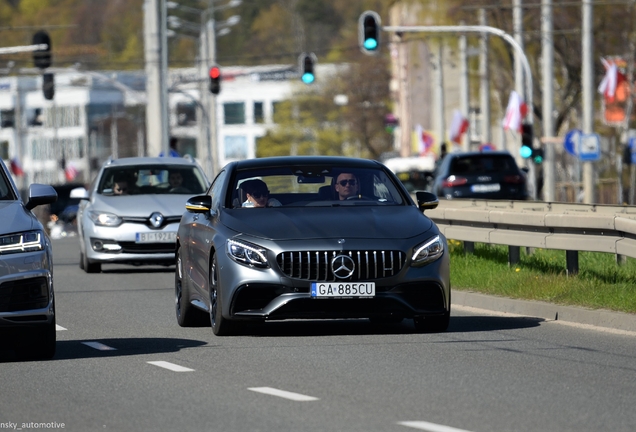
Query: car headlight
column 428, row 251
column 247, row 253
column 105, row 219
column 27, row 241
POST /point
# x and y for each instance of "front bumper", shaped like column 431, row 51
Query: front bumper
column 269, row 294
column 118, row 245
column 26, row 290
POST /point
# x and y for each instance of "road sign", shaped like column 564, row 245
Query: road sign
column 571, row 141
column 590, row 147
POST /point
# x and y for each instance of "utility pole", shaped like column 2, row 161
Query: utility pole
column 464, row 91
column 156, row 57
column 517, row 32
column 439, row 92
column 587, row 86
column 484, row 87
column 211, row 60
column 547, row 56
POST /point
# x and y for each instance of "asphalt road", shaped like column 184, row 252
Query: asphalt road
column 123, row 364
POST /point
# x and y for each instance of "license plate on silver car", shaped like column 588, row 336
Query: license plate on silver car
column 156, row 237
column 343, row 289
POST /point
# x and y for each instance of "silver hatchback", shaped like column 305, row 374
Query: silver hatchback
column 132, row 211
column 27, row 303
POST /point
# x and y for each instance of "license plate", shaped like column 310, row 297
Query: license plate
column 156, row 237
column 485, row 188
column 342, row 289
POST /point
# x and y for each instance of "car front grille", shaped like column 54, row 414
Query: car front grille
column 316, row 265
column 24, row 294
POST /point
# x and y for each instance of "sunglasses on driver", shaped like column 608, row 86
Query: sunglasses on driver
column 352, row 182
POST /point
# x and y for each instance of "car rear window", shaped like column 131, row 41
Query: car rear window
column 483, row 164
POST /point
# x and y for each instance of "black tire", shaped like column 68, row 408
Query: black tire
column 220, row 326
column 90, row 267
column 37, row 343
column 81, row 261
column 432, row 324
column 187, row 314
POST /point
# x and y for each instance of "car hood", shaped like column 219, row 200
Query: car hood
column 140, row 205
column 16, row 217
column 377, row 222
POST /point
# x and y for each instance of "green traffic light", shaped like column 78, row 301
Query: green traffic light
column 370, row 44
column 525, row 152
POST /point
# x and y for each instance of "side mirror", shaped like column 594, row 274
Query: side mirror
column 79, row 193
column 426, row 200
column 40, row 194
column 199, row 204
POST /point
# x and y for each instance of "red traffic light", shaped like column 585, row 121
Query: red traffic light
column 215, row 72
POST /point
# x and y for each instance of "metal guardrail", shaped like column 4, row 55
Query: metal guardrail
column 536, row 224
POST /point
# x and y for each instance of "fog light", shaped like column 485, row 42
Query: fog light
column 98, row 245
column 111, row 247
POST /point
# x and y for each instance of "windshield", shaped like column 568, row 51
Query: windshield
column 313, row 186
column 152, row 179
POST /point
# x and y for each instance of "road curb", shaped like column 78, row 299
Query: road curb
column 549, row 311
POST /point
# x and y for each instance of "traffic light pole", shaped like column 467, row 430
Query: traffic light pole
column 479, row 29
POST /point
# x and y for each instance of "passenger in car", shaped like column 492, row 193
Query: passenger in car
column 175, row 179
column 120, row 186
column 346, row 185
column 257, row 194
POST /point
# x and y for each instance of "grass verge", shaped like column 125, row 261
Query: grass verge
column 541, row 275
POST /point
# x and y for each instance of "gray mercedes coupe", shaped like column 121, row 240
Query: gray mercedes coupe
column 310, row 237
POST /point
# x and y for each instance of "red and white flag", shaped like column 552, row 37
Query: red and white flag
column 458, row 127
column 70, row 172
column 16, row 168
column 516, row 111
column 613, row 77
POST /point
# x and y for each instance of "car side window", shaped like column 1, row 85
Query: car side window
column 216, row 190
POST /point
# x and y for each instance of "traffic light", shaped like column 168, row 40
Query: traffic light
column 526, row 141
column 307, row 62
column 369, row 28
column 537, row 156
column 215, row 80
column 48, row 86
column 42, row 58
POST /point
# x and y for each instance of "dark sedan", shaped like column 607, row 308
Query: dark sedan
column 27, row 301
column 481, row 175
column 310, row 238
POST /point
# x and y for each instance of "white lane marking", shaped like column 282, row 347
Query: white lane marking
column 99, row 346
column 282, row 393
column 430, row 427
column 59, row 328
column 170, row 366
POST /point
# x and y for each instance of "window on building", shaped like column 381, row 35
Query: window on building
column 62, row 116
column 186, row 114
column 4, row 150
column 187, row 146
column 7, row 118
column 35, row 117
column 259, row 115
column 234, row 112
column 276, row 108
column 235, row 147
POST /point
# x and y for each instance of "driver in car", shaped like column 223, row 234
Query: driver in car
column 347, row 185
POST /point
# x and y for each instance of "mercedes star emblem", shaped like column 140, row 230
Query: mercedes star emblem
column 342, row 266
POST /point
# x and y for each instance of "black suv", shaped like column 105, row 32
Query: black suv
column 483, row 175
